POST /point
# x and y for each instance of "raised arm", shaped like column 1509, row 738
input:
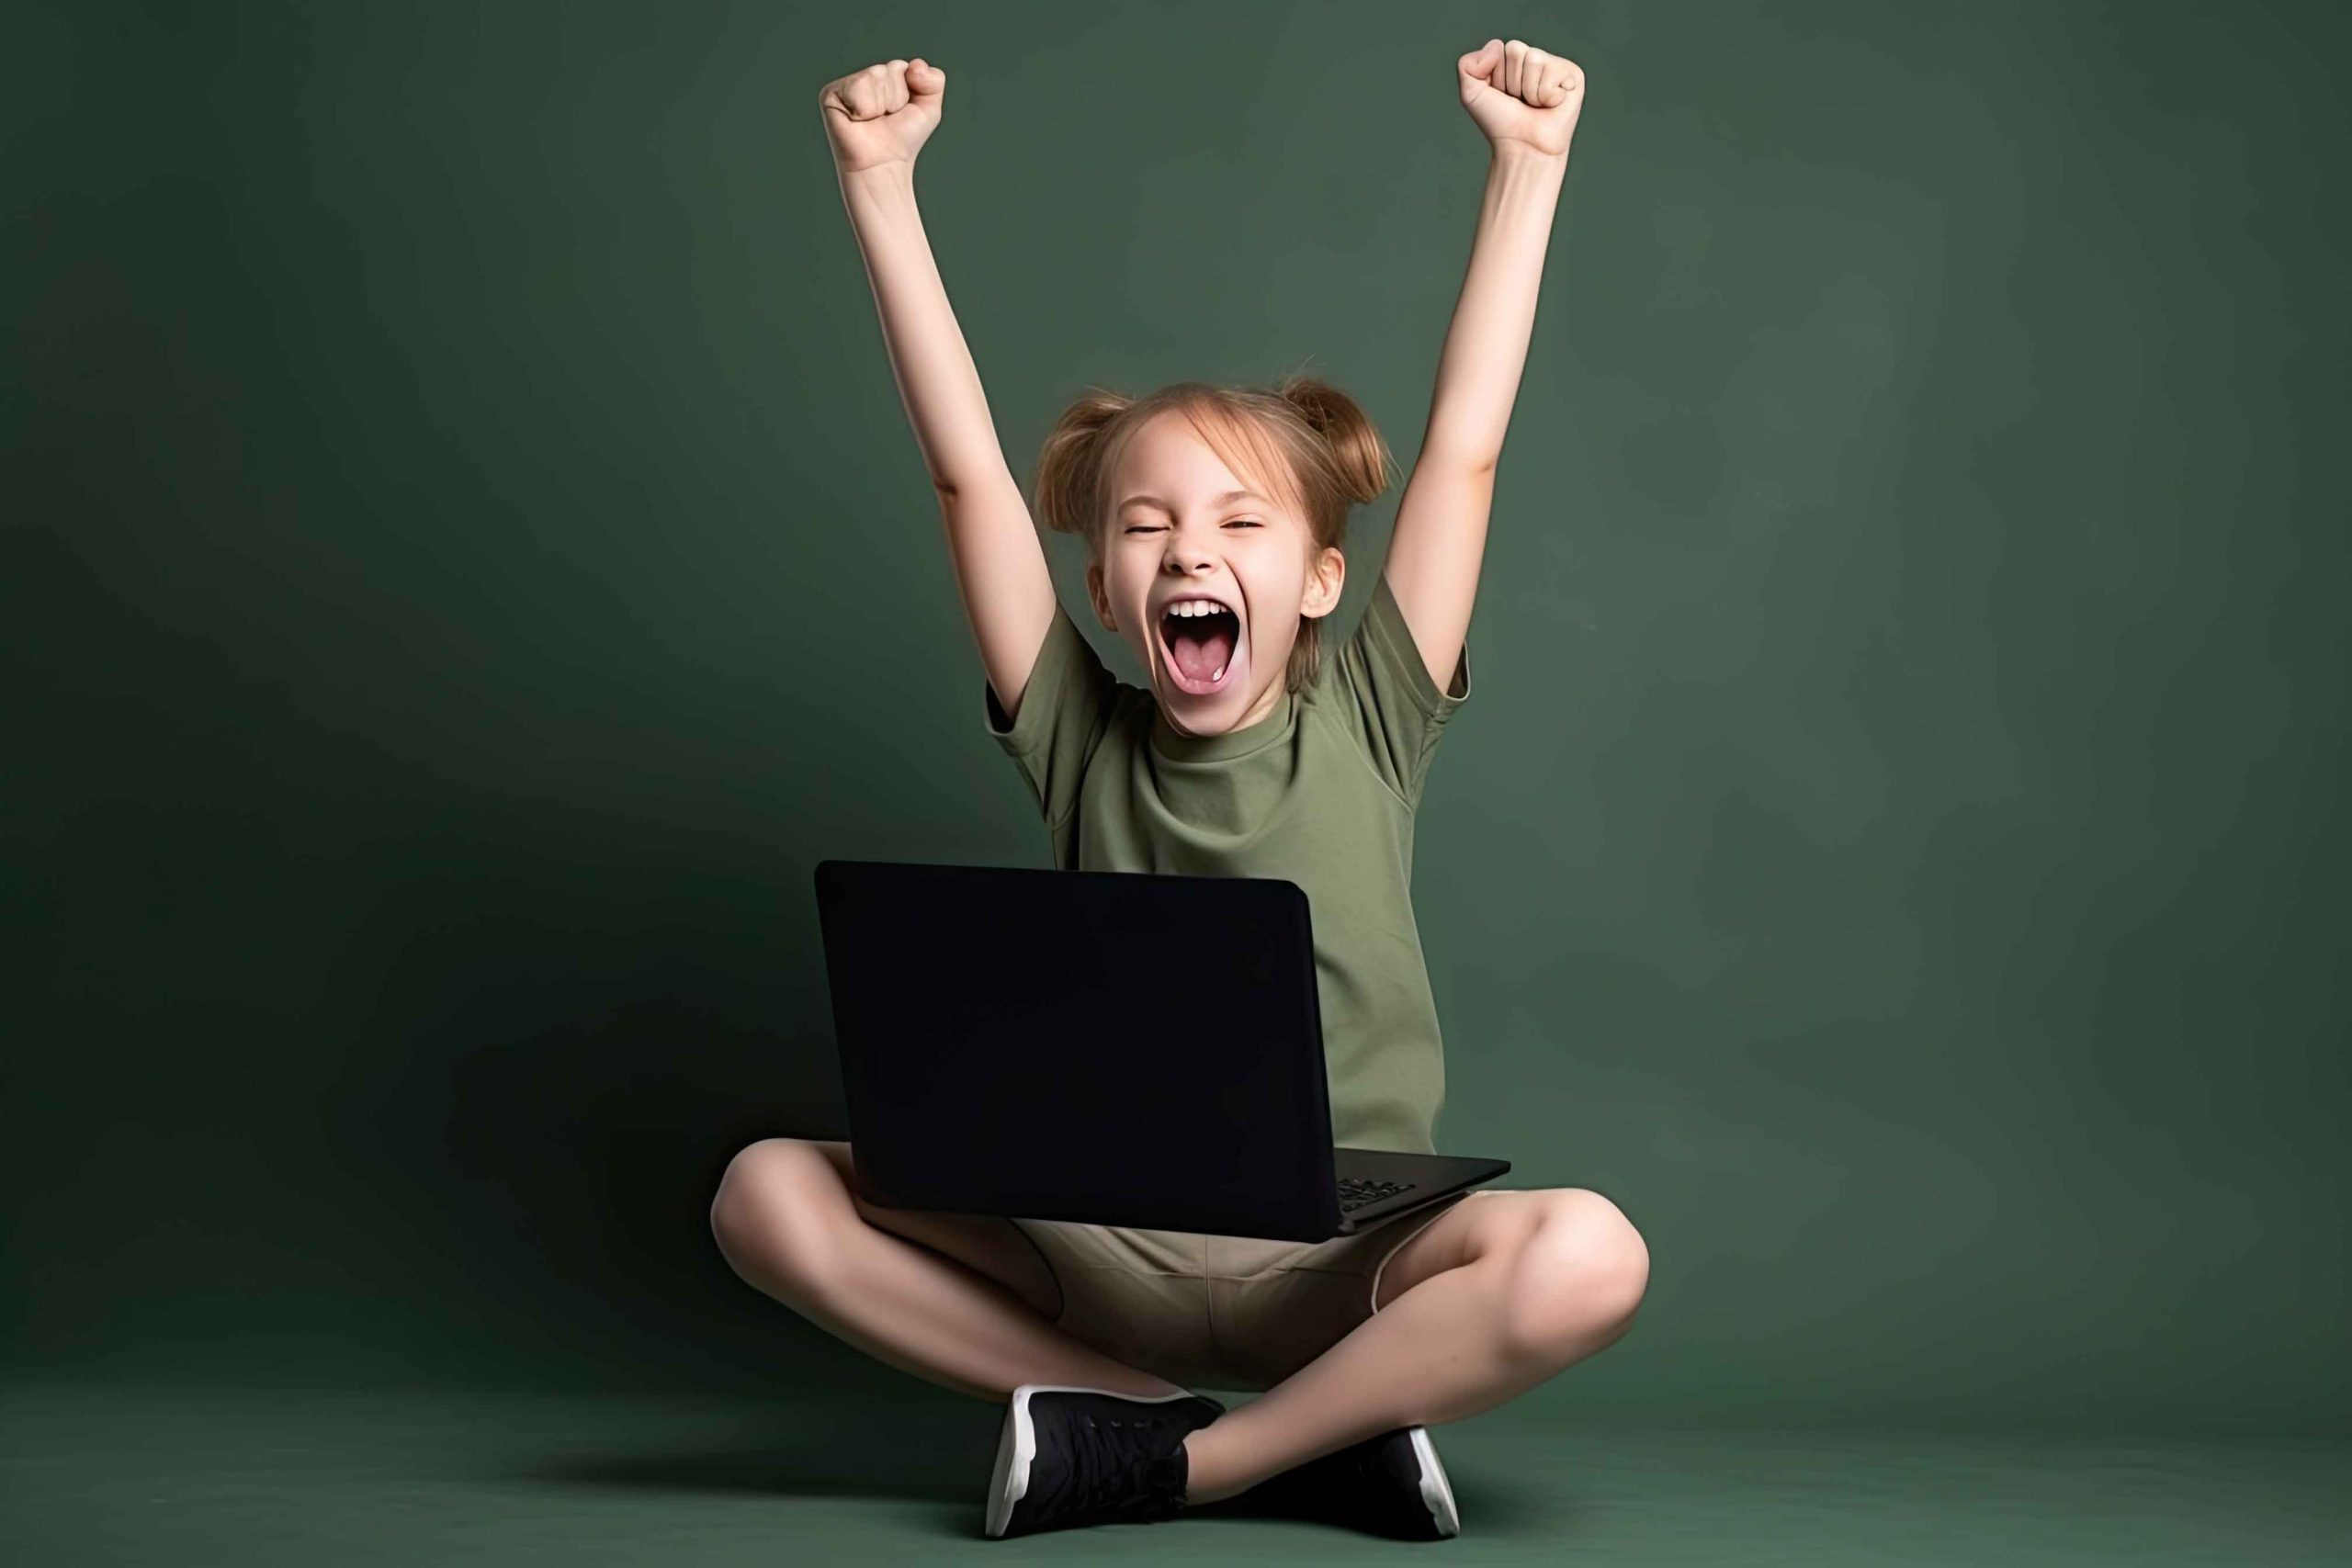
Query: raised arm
column 1526, row 102
column 878, row 120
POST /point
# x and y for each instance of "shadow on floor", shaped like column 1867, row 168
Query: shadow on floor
column 949, row 1468
column 922, row 1468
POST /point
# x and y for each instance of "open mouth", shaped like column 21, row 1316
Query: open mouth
column 1201, row 652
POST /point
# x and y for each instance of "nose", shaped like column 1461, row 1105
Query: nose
column 1186, row 558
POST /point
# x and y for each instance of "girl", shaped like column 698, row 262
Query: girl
column 1211, row 518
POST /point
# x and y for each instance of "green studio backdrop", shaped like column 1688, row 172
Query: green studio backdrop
column 468, row 562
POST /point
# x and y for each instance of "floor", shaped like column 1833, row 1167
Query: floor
column 127, row 1475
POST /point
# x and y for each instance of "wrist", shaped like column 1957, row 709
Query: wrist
column 879, row 192
column 891, row 172
column 1526, row 154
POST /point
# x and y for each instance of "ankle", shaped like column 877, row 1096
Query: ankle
column 1205, row 1475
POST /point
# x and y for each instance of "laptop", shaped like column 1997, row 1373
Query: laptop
column 1123, row 1048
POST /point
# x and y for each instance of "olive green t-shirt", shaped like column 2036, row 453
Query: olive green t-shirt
column 1322, row 790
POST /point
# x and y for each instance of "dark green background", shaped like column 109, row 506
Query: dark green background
column 468, row 562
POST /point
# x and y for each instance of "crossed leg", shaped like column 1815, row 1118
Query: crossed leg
column 963, row 1301
column 1499, row 1293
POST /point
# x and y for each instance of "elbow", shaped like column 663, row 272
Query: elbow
column 1463, row 458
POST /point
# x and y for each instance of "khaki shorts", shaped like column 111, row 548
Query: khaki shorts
column 1217, row 1311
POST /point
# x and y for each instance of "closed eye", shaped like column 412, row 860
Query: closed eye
column 1236, row 523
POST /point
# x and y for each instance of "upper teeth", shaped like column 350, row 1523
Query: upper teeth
column 1194, row 607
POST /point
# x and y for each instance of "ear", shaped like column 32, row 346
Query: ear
column 1324, row 582
column 1094, row 592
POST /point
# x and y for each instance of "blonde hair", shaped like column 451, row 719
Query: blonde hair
column 1303, row 443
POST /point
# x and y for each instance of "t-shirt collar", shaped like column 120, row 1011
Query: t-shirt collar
column 1177, row 747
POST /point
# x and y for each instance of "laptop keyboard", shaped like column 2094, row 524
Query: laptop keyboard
column 1355, row 1191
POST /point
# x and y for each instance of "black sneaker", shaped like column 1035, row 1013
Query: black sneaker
column 1086, row 1456
column 1391, row 1485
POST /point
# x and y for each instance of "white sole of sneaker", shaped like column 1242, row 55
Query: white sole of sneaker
column 1016, row 1446
column 1436, row 1491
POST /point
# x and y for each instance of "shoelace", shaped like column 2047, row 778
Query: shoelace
column 1106, row 1475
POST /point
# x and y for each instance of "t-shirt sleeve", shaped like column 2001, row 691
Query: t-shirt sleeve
column 1381, row 690
column 1063, row 711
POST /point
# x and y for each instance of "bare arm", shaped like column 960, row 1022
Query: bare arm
column 1526, row 102
column 878, row 120
column 1485, row 348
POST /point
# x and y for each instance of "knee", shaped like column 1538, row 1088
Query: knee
column 770, row 1215
column 1579, row 1276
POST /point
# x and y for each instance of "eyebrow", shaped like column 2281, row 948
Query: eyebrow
column 1225, row 500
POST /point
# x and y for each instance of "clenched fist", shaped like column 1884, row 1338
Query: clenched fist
column 1522, row 94
column 883, row 113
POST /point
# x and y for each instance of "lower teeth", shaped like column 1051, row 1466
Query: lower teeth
column 1219, row 675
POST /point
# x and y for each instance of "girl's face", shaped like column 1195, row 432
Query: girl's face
column 1185, row 528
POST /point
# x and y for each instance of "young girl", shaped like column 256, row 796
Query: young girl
column 1211, row 518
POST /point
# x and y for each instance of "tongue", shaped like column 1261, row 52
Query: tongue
column 1201, row 654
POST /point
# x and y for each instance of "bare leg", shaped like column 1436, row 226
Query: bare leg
column 958, row 1299
column 1499, row 1293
